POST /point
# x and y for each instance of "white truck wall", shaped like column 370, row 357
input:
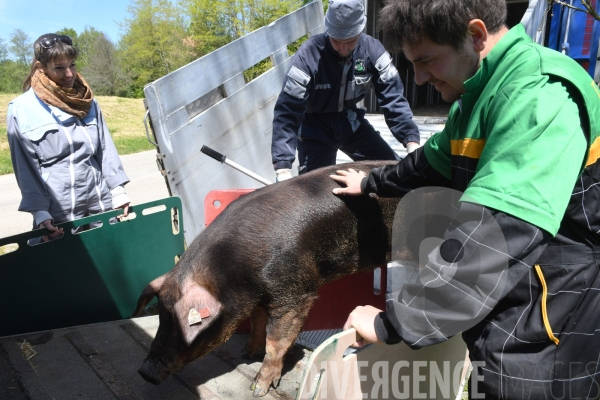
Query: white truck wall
column 207, row 102
column 535, row 20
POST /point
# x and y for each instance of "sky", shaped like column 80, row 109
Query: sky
column 37, row 17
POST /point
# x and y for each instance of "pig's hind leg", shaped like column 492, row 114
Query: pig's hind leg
column 258, row 334
column 283, row 327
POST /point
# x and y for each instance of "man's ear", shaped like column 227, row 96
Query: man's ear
column 478, row 34
column 200, row 302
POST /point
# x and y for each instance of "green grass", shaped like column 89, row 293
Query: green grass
column 123, row 116
column 129, row 144
column 5, row 163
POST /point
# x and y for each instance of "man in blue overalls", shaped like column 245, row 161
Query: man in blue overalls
column 317, row 111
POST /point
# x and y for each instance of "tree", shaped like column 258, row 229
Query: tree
column 208, row 28
column 85, row 43
column 263, row 12
column 15, row 68
column 103, row 71
column 21, row 47
column 154, row 43
column 12, row 75
column 214, row 23
column 3, row 51
column 161, row 35
column 70, row 32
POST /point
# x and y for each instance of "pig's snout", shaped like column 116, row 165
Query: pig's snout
column 153, row 372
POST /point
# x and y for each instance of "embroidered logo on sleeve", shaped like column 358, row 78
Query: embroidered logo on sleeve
column 359, row 66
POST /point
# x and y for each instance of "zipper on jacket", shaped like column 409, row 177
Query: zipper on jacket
column 98, row 192
column 344, row 83
column 71, row 172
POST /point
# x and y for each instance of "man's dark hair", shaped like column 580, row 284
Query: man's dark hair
column 444, row 22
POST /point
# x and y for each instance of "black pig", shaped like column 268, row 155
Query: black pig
column 265, row 256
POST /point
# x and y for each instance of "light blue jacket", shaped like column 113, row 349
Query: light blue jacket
column 65, row 167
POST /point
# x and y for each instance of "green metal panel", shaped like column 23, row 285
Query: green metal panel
column 93, row 276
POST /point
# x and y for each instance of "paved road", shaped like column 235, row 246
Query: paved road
column 147, row 184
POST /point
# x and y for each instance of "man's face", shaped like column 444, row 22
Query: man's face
column 445, row 67
column 344, row 47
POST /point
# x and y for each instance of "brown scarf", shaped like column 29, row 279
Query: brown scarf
column 76, row 100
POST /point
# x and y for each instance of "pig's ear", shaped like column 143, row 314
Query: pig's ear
column 196, row 310
column 148, row 294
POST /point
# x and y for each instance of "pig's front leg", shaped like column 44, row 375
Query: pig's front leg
column 258, row 333
column 282, row 330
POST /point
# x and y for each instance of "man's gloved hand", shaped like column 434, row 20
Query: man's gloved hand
column 412, row 146
column 283, row 174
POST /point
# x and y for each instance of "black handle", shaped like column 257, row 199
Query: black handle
column 213, row 153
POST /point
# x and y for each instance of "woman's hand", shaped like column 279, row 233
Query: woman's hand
column 352, row 179
column 56, row 232
column 125, row 208
column 363, row 320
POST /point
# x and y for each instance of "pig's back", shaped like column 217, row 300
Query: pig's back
column 300, row 221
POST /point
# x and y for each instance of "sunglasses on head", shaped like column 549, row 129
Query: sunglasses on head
column 49, row 42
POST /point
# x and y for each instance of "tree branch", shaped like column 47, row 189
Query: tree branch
column 588, row 8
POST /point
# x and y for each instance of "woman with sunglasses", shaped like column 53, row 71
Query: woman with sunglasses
column 64, row 159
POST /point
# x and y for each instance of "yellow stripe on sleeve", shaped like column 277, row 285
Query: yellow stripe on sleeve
column 594, row 153
column 595, row 88
column 471, row 148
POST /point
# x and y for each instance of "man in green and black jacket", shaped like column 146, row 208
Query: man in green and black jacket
column 521, row 144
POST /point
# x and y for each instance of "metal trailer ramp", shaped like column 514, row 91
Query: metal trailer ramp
column 89, row 277
column 208, row 102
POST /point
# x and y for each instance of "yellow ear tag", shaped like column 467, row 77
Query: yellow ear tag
column 194, row 317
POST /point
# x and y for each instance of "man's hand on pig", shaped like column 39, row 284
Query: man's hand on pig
column 363, row 320
column 352, row 179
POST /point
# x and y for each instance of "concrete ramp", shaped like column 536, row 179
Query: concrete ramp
column 101, row 361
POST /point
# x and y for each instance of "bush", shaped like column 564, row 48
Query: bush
column 12, row 75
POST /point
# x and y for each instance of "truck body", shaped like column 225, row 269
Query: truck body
column 576, row 33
